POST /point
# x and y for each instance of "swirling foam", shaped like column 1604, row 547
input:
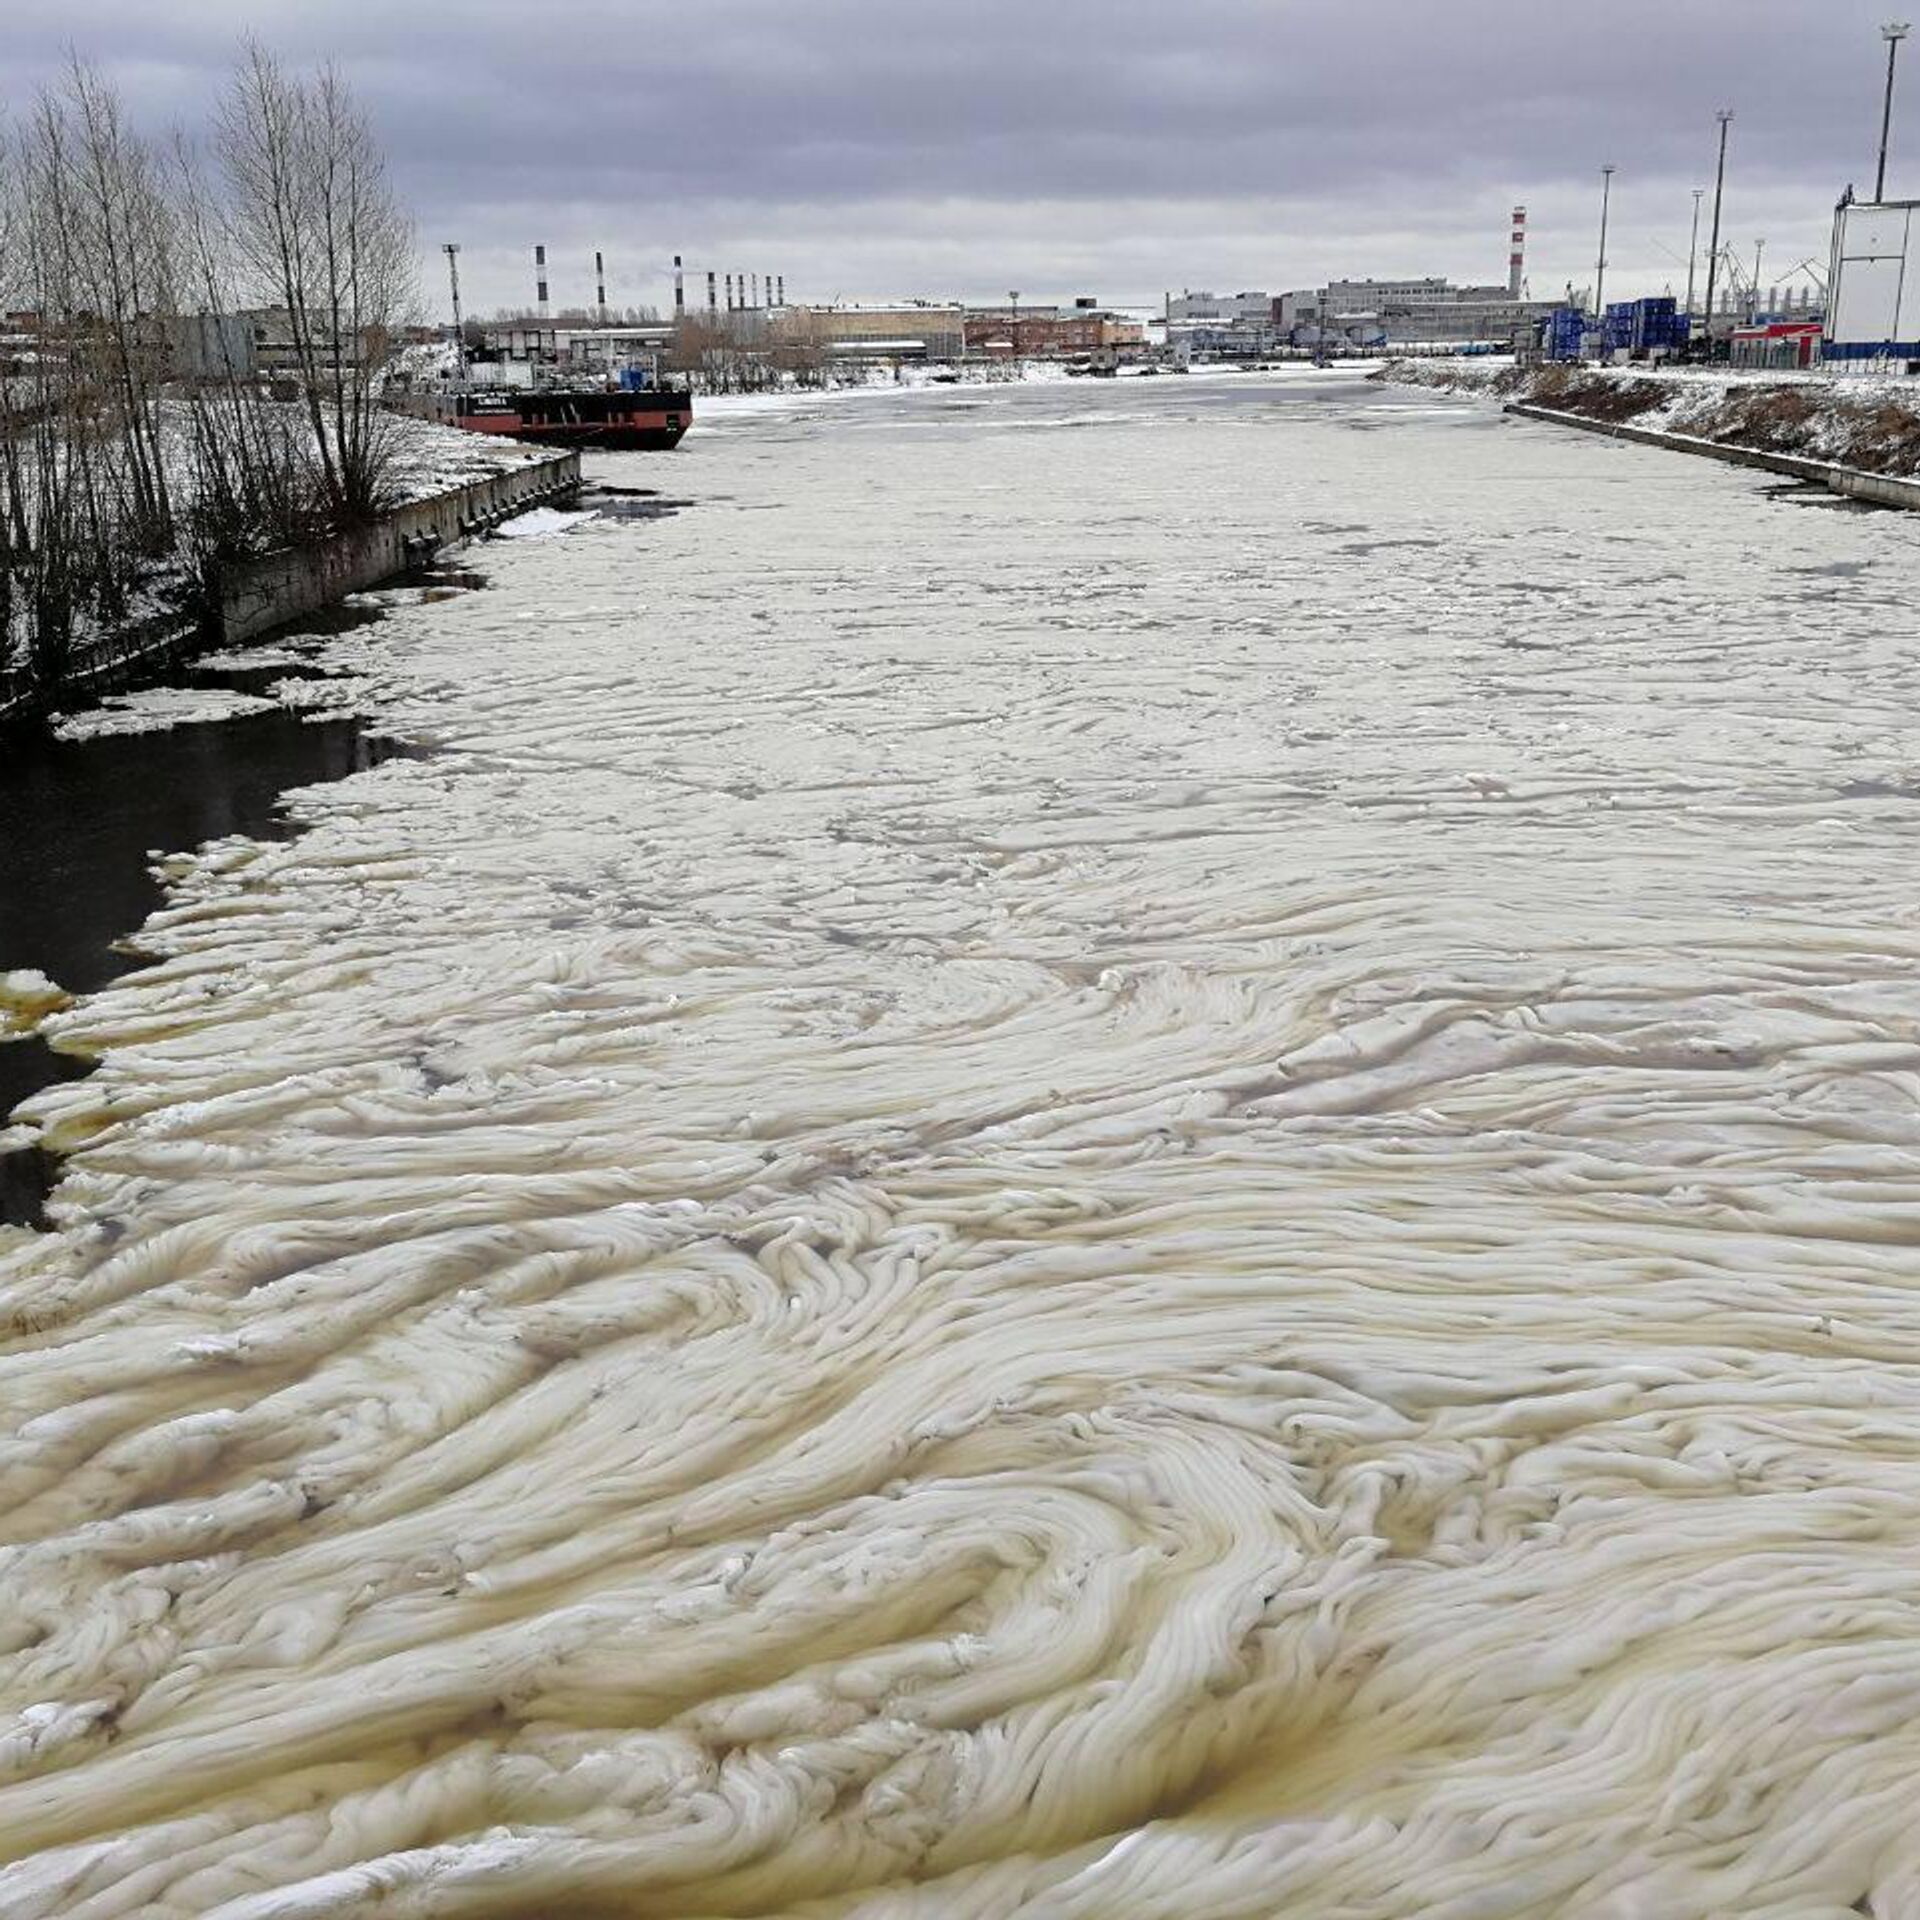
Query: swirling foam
column 1161, row 1171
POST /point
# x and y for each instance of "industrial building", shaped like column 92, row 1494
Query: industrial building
column 1243, row 309
column 1405, row 313
column 907, row 330
column 1775, row 346
column 1423, row 310
column 1234, row 326
column 1050, row 333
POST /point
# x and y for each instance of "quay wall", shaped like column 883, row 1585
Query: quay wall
column 259, row 595
column 1886, row 490
column 262, row 594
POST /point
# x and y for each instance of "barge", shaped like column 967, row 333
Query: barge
column 592, row 419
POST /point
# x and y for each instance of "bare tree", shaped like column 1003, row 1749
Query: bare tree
column 256, row 462
column 67, row 532
column 317, row 228
column 141, row 448
column 124, row 288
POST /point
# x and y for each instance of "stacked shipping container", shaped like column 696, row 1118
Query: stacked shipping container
column 1646, row 326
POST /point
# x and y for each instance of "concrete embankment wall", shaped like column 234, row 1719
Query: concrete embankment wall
column 262, row 594
column 267, row 593
column 1879, row 488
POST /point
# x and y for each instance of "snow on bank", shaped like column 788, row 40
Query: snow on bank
column 1870, row 422
column 430, row 459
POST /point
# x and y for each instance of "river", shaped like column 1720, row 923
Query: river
column 1119, row 1149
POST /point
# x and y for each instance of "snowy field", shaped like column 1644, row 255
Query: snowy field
column 1132, row 1149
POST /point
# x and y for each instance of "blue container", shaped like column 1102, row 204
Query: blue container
column 1653, row 323
column 1564, row 330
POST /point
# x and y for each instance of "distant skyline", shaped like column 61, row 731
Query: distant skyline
column 1123, row 150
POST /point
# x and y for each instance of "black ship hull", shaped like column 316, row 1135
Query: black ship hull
column 651, row 419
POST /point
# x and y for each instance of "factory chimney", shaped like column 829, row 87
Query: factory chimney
column 679, row 291
column 782, row 301
column 540, row 283
column 1517, row 258
column 600, row 285
column 713, row 294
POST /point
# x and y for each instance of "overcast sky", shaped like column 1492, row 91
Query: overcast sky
column 879, row 148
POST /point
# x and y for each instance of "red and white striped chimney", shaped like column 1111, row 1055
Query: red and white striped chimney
column 540, row 282
column 1517, row 257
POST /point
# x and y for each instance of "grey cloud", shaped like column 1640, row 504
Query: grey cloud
column 869, row 148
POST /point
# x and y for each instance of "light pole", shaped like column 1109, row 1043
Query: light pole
column 1725, row 117
column 1693, row 247
column 1600, row 269
column 1892, row 33
column 1759, row 247
column 452, row 251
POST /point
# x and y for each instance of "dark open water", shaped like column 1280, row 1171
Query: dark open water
column 80, row 824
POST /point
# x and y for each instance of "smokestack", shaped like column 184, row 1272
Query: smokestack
column 769, row 286
column 540, row 283
column 713, row 294
column 756, row 289
column 729, row 293
column 600, row 285
column 782, row 301
column 1517, row 257
column 679, row 290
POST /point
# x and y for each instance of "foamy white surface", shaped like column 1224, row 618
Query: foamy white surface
column 1150, row 1153
column 155, row 709
column 542, row 523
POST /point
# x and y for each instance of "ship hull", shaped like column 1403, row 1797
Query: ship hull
column 648, row 421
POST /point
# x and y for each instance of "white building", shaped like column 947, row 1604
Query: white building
column 1428, row 311
column 1248, row 309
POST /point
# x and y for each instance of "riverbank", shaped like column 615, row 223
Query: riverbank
column 1871, row 425
column 447, row 485
column 81, row 822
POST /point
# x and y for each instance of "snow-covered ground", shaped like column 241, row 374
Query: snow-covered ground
column 1856, row 419
column 1139, row 1150
column 430, row 459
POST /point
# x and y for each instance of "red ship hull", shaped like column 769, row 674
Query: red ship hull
column 650, row 420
